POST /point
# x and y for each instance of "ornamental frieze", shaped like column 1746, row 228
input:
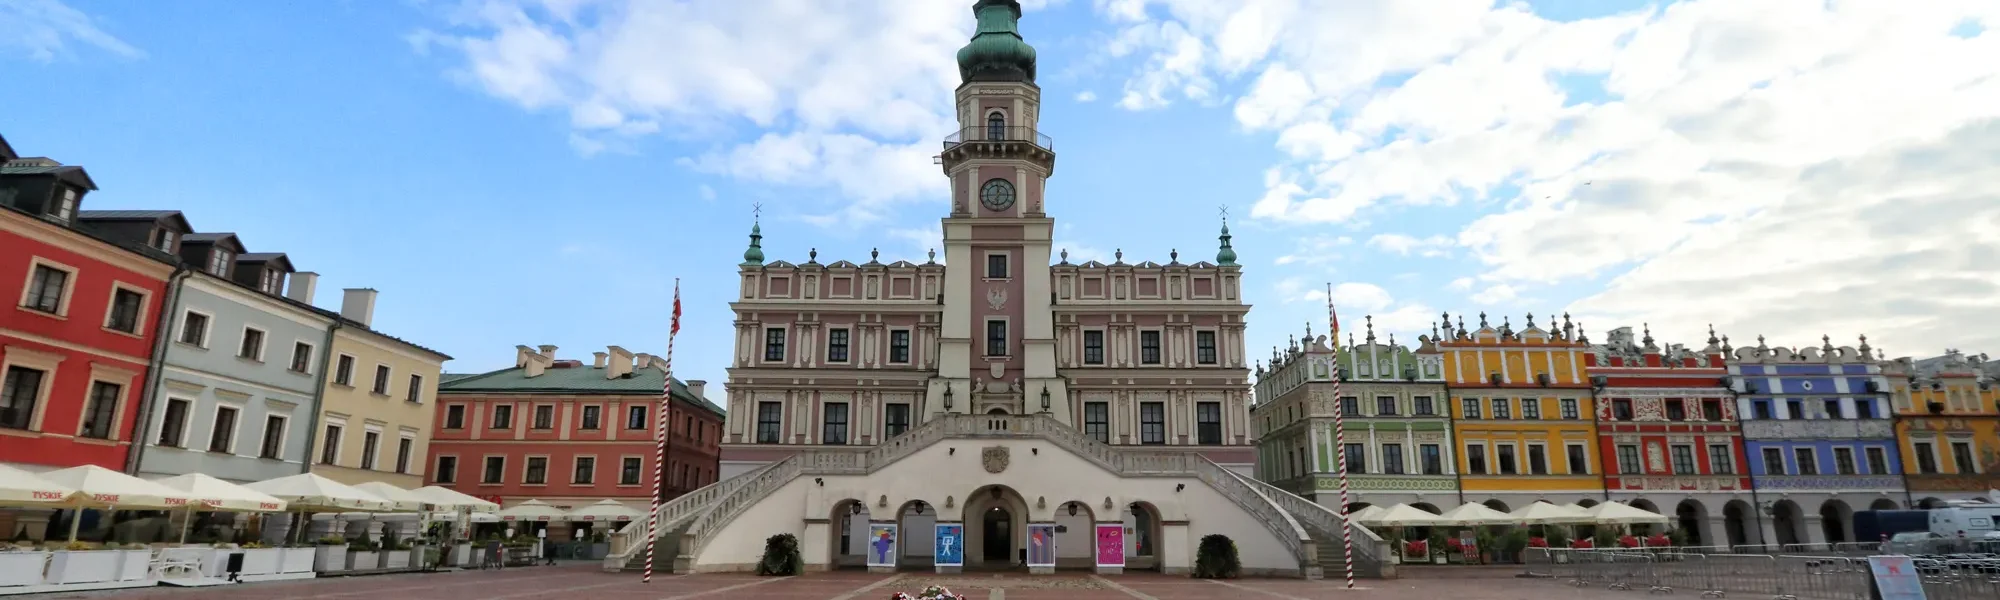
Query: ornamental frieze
column 1679, row 484
column 1392, row 483
column 1819, row 429
column 1952, row 483
column 1828, row 482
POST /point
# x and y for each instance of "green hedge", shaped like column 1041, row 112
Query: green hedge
column 781, row 556
column 1216, row 558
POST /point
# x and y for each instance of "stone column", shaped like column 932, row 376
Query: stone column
column 1815, row 530
column 1716, row 531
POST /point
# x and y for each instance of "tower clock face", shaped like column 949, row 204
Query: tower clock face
column 997, row 195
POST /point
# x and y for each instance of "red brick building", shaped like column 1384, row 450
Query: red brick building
column 569, row 433
column 1668, row 437
column 79, row 330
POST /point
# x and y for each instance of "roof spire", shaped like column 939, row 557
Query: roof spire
column 1370, row 319
column 1225, row 256
column 996, row 52
column 754, row 255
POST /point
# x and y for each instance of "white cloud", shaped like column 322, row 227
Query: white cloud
column 1460, row 285
column 854, row 98
column 1315, row 250
column 1739, row 158
column 1405, row 245
column 707, row 193
column 43, row 29
column 1086, row 96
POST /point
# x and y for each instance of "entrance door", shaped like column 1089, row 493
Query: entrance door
column 998, row 534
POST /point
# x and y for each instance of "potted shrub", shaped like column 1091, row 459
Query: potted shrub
column 1514, row 544
column 1605, row 538
column 1215, row 558
column 363, row 554
column 1417, row 550
column 781, row 556
column 1439, row 543
column 396, row 554
column 1486, row 545
column 78, row 562
column 330, row 555
column 1677, row 537
column 1557, row 537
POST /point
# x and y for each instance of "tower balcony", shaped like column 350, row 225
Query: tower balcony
column 1022, row 143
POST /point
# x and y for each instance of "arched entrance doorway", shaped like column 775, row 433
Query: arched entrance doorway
column 1497, row 505
column 1691, row 517
column 1076, row 542
column 1834, row 517
column 1736, row 522
column 916, row 536
column 1789, row 522
column 1142, row 537
column 996, row 518
column 848, row 544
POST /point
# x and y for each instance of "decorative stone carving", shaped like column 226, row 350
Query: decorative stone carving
column 883, row 501
column 948, row 502
column 996, row 298
column 1656, row 459
column 1819, row 429
column 994, row 459
column 1041, row 502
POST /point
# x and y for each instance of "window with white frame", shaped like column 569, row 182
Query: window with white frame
column 22, row 392
column 222, row 435
column 47, row 288
column 446, row 471
column 127, row 311
column 252, row 347
column 173, row 423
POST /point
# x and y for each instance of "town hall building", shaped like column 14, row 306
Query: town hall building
column 998, row 407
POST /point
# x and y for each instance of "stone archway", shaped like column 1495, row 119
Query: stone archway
column 1423, row 533
column 1884, row 504
column 1736, row 522
column 1353, row 507
column 1836, row 520
column 1645, row 529
column 1142, row 540
column 996, row 519
column 847, row 543
column 1788, row 521
column 1691, row 518
column 1496, row 504
column 1930, row 503
column 916, row 535
column 1586, row 503
column 1076, row 529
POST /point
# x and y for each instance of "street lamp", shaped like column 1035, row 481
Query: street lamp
column 1045, row 398
column 947, row 396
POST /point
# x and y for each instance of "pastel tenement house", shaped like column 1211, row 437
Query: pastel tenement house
column 1668, row 437
column 80, row 329
column 1092, row 414
column 1522, row 413
column 1818, row 432
column 1397, row 432
column 1948, row 424
column 571, row 434
column 375, row 411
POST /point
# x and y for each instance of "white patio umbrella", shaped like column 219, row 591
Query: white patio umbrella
column 532, row 510
column 400, row 500
column 1474, row 513
column 605, row 510
column 98, row 487
column 448, row 499
column 1404, row 515
column 1543, row 513
column 1362, row 516
column 22, row 488
column 1618, row 513
column 311, row 492
column 215, row 493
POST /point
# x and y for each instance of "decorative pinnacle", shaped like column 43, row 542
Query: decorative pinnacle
column 1174, row 255
column 1370, row 324
column 1711, row 334
column 812, row 256
column 874, row 253
column 1648, row 328
column 933, row 256
column 1065, row 256
column 1434, row 330
column 1531, row 320
column 1119, row 254
column 1482, row 319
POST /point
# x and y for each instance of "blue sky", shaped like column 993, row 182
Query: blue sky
column 539, row 171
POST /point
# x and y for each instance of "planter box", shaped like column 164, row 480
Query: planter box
column 263, row 561
column 22, row 568
column 1439, row 559
column 90, row 566
column 461, row 555
column 296, row 560
column 135, row 565
column 600, row 550
column 215, row 562
column 396, row 559
column 361, row 561
column 329, row 559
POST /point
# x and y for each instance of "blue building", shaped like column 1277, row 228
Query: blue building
column 1818, row 434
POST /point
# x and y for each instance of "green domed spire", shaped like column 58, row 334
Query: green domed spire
column 997, row 52
column 1226, row 256
column 754, row 256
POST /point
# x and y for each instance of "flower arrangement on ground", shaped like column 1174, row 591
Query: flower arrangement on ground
column 936, row 592
column 1659, row 540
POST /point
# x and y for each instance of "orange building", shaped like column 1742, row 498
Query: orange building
column 1522, row 413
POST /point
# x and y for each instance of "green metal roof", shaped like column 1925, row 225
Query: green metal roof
column 584, row 380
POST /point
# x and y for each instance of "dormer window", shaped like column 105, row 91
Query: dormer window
column 164, row 239
column 66, row 205
column 219, row 261
column 273, row 282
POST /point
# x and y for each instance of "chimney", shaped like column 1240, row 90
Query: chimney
column 521, row 354
column 536, row 364
column 597, row 360
column 358, row 305
column 302, row 286
column 641, row 361
column 621, row 363
column 696, row 387
column 548, row 351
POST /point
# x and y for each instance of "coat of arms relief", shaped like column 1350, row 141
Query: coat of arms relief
column 994, row 458
column 996, row 298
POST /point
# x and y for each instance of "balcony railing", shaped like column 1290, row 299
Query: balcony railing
column 990, row 134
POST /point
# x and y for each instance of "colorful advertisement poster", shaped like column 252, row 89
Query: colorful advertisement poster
column 881, row 544
column 950, row 545
column 1041, row 544
column 1111, row 544
column 1896, row 577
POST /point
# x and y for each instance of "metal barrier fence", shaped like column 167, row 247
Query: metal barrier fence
column 1776, row 576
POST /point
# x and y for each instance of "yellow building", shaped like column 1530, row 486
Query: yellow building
column 376, row 403
column 1522, row 414
column 1948, row 425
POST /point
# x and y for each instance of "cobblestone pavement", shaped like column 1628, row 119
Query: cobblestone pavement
column 587, row 582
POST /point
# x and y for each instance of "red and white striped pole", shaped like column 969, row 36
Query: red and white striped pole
column 660, row 437
column 1340, row 439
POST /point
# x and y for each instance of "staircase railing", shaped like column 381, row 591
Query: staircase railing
column 1369, row 549
column 728, row 507
column 1261, row 505
column 627, row 542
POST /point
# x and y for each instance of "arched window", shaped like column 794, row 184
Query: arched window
column 996, row 127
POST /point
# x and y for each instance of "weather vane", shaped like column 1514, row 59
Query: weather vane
column 756, row 211
column 1225, row 212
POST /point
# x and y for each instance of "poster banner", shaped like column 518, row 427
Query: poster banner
column 1041, row 544
column 1111, row 544
column 881, row 544
column 950, row 550
column 1896, row 577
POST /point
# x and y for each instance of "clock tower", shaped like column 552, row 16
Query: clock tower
column 997, row 348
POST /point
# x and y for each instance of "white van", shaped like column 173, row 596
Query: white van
column 1965, row 520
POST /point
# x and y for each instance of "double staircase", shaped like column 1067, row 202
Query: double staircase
column 1311, row 532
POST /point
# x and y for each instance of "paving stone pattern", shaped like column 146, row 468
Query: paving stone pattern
column 586, row 582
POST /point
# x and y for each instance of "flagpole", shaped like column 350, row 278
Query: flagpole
column 1340, row 439
column 660, row 437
